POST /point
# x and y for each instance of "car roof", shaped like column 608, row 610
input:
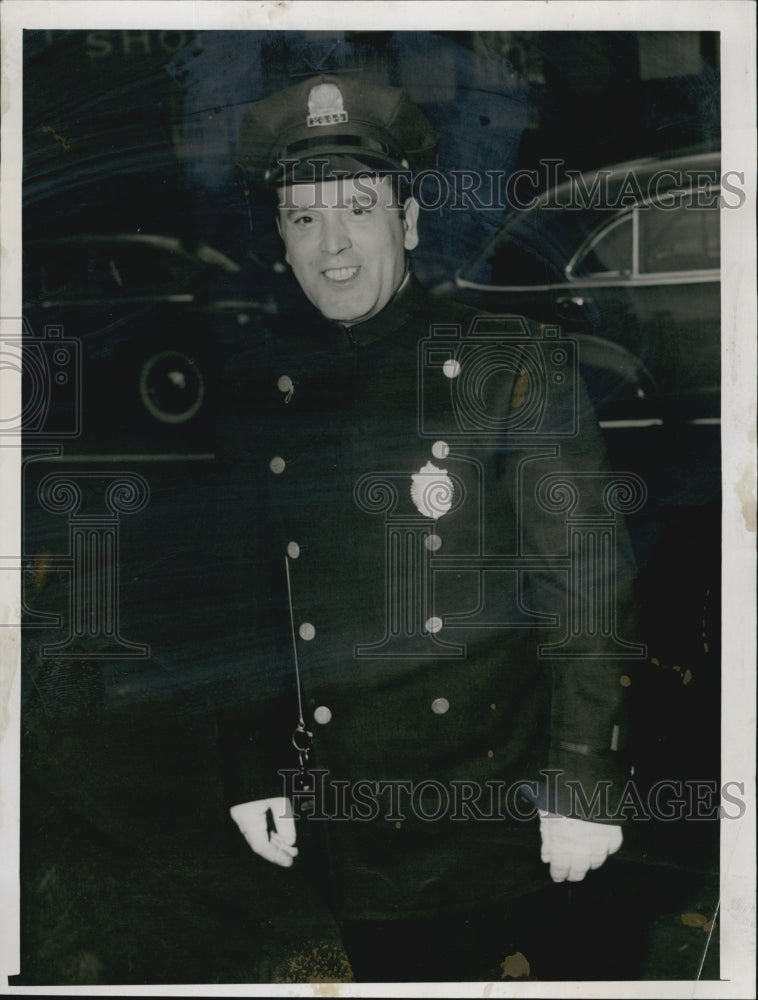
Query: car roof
column 197, row 251
column 644, row 168
column 616, row 176
column 555, row 224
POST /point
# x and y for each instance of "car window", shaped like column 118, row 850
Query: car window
column 682, row 239
column 69, row 272
column 611, row 253
column 139, row 269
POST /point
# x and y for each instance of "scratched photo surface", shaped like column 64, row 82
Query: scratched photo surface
column 177, row 619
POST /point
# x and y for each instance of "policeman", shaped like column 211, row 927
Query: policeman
column 391, row 528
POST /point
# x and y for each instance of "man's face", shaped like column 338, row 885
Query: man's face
column 346, row 241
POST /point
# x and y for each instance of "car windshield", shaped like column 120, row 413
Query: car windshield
column 139, row 269
column 94, row 269
column 532, row 248
column 610, row 254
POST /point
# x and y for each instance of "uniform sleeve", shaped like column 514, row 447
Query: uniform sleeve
column 254, row 725
column 569, row 507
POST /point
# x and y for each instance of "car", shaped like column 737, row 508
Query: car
column 626, row 261
column 150, row 319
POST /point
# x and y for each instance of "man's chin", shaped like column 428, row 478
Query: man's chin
column 340, row 313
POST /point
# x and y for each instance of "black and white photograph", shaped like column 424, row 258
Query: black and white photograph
column 377, row 455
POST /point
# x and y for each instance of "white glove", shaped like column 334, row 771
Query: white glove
column 255, row 820
column 572, row 846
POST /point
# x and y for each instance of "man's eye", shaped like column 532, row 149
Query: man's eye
column 302, row 220
column 361, row 210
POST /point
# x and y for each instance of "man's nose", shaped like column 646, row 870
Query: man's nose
column 334, row 235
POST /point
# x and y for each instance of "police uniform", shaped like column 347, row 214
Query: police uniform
column 391, row 534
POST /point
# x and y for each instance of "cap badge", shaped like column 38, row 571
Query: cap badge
column 325, row 105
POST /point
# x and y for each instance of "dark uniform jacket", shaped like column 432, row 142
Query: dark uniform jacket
column 420, row 640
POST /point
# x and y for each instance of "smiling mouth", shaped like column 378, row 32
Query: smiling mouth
column 340, row 274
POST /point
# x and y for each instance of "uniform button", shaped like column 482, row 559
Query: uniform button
column 323, row 715
column 307, row 631
column 452, row 368
column 440, row 706
column 284, row 384
column 293, row 550
column 625, row 681
column 490, row 754
column 433, row 542
column 493, row 706
column 440, row 449
column 433, row 624
column 277, row 464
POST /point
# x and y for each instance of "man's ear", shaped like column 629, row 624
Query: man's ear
column 410, row 223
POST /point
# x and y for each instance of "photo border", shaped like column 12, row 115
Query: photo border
column 735, row 20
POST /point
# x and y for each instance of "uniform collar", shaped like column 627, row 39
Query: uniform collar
column 402, row 306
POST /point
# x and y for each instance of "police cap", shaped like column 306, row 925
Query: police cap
column 332, row 125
